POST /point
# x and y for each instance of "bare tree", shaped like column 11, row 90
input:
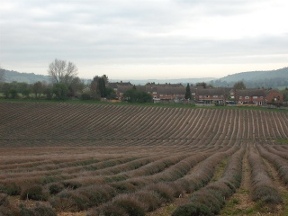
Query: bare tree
column 62, row 72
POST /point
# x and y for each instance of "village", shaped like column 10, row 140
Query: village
column 203, row 94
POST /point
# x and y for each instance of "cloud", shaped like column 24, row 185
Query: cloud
column 125, row 33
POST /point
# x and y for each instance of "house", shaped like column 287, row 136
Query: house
column 212, row 95
column 274, row 96
column 166, row 92
column 250, row 96
column 120, row 88
column 258, row 97
column 221, row 95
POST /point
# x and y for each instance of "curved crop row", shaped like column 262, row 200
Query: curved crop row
column 283, row 154
column 159, row 193
column 280, row 163
column 262, row 185
column 59, row 123
column 123, row 186
column 210, row 199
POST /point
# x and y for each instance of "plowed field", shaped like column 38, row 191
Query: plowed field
column 105, row 159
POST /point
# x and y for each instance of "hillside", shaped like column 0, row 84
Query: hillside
column 183, row 81
column 107, row 159
column 30, row 78
column 254, row 79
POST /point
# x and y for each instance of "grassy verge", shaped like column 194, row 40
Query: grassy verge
column 164, row 211
column 282, row 141
column 220, row 170
column 285, row 201
column 169, row 105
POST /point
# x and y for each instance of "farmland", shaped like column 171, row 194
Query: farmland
column 105, row 159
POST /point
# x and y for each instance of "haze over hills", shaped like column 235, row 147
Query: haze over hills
column 253, row 79
column 163, row 81
column 257, row 79
column 30, row 78
column 256, row 75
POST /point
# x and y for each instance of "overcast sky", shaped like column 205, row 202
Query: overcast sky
column 145, row 38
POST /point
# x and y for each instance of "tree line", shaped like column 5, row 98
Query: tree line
column 65, row 84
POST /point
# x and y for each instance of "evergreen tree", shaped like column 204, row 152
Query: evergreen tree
column 239, row 85
column 2, row 75
column 98, row 87
column 37, row 88
column 60, row 90
column 188, row 92
column 102, row 87
column 136, row 96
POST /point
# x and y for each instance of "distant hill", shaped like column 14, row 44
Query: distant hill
column 254, row 79
column 30, row 78
column 183, row 81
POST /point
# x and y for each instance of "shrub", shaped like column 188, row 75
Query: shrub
column 38, row 210
column 4, row 200
column 192, row 209
column 25, row 211
column 176, row 188
column 7, row 211
column 71, row 184
column 163, row 190
column 85, row 96
column 223, row 189
column 97, row 194
column 122, row 187
column 43, row 210
column 209, row 198
column 109, row 210
column 266, row 194
column 149, row 199
column 11, row 189
column 56, row 188
column 35, row 192
column 278, row 162
column 262, row 185
column 130, row 204
column 115, row 178
column 184, row 184
column 48, row 179
column 69, row 201
column 82, row 198
column 138, row 182
column 5, row 207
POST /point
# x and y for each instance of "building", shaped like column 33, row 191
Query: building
column 212, row 95
column 251, row 96
column 258, row 97
column 166, row 92
column 120, row 88
column 274, row 97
